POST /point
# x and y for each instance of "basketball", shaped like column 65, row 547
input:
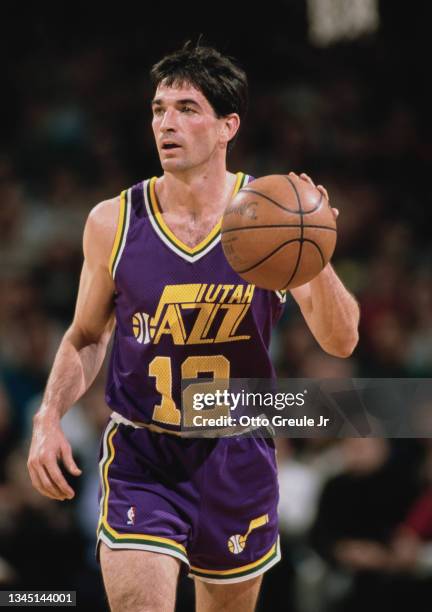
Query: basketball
column 278, row 232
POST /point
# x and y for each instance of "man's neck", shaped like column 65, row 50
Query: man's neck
column 196, row 193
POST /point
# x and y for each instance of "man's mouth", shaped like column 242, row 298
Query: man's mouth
column 169, row 145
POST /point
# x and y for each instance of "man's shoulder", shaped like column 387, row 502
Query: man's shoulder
column 105, row 210
column 101, row 226
column 105, row 216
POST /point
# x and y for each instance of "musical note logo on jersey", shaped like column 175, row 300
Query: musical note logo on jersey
column 198, row 313
column 237, row 543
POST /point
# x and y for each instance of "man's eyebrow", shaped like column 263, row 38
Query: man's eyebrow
column 159, row 102
column 188, row 101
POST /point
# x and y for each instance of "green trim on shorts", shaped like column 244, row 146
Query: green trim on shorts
column 268, row 559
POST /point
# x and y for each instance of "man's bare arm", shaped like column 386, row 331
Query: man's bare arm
column 79, row 356
column 331, row 312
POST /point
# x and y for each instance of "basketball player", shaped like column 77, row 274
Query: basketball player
column 154, row 269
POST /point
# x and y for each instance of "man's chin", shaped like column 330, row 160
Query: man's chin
column 172, row 165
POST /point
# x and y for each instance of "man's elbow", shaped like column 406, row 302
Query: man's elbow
column 82, row 337
column 343, row 347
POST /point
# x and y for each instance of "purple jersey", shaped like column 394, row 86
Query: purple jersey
column 181, row 313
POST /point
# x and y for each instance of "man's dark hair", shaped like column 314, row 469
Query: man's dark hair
column 219, row 78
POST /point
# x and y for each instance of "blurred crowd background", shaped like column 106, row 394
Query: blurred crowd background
column 352, row 109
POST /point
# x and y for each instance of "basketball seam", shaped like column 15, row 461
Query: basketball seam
column 305, row 225
column 317, row 246
column 267, row 256
column 301, row 211
column 301, row 233
column 320, row 253
column 295, row 212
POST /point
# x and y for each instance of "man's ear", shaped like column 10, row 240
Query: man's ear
column 230, row 126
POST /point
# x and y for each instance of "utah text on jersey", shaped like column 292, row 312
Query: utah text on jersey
column 220, row 309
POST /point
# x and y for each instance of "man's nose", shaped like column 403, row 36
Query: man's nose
column 168, row 121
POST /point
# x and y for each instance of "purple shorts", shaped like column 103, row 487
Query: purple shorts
column 212, row 503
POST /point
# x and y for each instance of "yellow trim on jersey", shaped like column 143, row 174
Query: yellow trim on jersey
column 119, row 233
column 103, row 522
column 237, row 570
column 156, row 209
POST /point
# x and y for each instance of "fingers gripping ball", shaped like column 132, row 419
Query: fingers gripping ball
column 278, row 232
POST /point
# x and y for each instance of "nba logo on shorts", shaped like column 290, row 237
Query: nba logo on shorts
column 131, row 516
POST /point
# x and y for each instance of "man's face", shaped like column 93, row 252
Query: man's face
column 185, row 126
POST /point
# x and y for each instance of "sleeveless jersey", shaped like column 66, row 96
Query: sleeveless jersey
column 181, row 313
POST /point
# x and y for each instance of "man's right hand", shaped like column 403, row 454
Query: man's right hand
column 48, row 448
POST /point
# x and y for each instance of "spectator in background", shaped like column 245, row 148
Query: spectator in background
column 358, row 514
column 412, row 541
column 31, row 526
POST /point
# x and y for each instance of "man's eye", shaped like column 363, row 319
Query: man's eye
column 157, row 111
column 187, row 109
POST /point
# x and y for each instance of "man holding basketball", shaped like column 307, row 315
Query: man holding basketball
column 154, row 267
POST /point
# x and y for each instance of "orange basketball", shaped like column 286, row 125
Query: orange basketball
column 278, row 232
